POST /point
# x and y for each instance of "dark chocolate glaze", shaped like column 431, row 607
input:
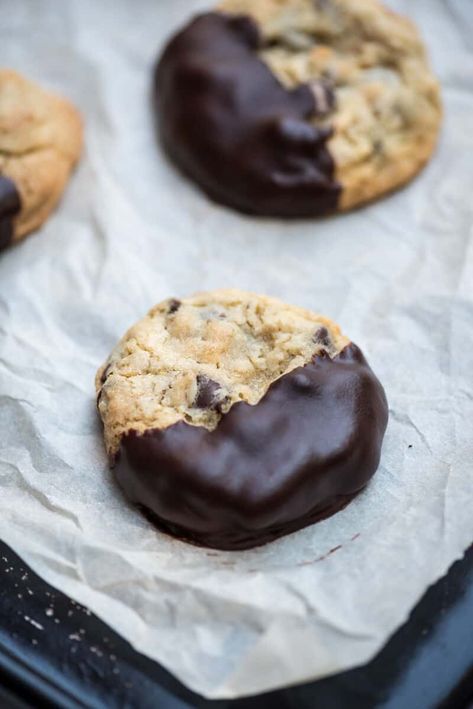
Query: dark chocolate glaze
column 10, row 205
column 231, row 126
column 299, row 455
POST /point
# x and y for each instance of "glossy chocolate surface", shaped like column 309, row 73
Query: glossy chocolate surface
column 9, row 206
column 231, row 126
column 299, row 455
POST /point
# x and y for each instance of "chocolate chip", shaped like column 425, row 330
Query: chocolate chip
column 320, row 354
column 209, row 394
column 295, row 457
column 173, row 306
column 322, row 337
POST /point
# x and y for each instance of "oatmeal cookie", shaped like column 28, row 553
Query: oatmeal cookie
column 233, row 418
column 298, row 107
column 40, row 142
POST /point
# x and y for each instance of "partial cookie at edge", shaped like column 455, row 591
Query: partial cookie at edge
column 40, row 142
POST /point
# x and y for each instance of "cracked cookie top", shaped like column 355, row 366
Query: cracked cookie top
column 40, row 141
column 190, row 360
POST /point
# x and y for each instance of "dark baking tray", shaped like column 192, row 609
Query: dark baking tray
column 55, row 653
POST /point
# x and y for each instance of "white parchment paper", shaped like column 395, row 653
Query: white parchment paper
column 397, row 275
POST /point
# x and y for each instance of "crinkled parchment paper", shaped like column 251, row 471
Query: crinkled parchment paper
column 398, row 277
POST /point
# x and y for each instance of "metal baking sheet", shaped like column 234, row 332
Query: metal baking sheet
column 56, row 653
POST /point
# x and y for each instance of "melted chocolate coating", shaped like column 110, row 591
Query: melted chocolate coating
column 230, row 125
column 10, row 205
column 299, row 455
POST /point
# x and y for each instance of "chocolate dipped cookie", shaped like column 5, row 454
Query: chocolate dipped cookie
column 40, row 142
column 297, row 108
column 232, row 419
